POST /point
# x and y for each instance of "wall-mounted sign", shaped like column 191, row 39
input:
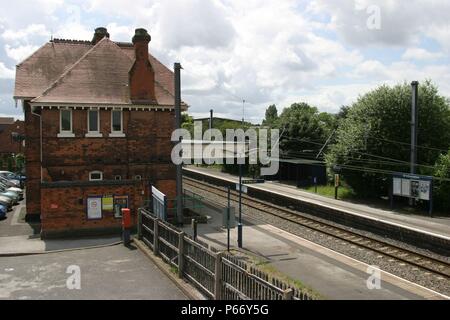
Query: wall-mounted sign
column 94, row 208
column 120, row 202
column 412, row 186
column 108, row 203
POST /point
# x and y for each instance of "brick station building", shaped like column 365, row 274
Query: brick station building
column 98, row 121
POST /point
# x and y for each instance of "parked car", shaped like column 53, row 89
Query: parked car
column 16, row 190
column 3, row 211
column 17, row 177
column 7, row 202
column 10, row 194
column 7, row 177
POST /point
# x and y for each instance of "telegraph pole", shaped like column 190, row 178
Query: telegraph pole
column 211, row 116
column 414, row 123
column 179, row 215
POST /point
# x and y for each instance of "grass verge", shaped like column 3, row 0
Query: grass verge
column 273, row 272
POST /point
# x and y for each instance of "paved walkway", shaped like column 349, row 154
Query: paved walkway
column 110, row 273
column 330, row 274
column 14, row 224
column 19, row 237
column 439, row 226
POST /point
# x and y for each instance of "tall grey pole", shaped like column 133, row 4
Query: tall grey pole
column 240, row 208
column 240, row 189
column 177, row 69
column 211, row 116
column 228, row 218
column 414, row 124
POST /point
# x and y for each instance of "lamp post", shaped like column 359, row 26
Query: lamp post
column 240, row 208
column 240, row 183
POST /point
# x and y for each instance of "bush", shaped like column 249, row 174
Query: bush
column 442, row 188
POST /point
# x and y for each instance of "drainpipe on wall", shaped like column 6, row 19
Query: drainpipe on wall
column 179, row 183
column 40, row 137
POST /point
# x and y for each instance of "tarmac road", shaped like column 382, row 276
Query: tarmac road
column 111, row 273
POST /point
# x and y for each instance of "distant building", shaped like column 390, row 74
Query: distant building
column 12, row 133
column 98, row 121
column 301, row 172
column 218, row 122
column 5, row 122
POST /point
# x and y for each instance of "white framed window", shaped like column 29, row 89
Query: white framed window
column 117, row 124
column 138, row 177
column 95, row 176
column 93, row 121
column 118, row 178
column 65, row 124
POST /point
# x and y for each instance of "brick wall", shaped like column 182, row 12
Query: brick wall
column 64, row 207
column 33, row 163
column 145, row 150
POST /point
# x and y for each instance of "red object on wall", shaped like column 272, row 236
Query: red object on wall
column 126, row 218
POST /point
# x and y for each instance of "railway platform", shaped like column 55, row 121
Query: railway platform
column 330, row 274
column 436, row 227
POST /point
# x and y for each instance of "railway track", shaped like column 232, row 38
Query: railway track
column 438, row 269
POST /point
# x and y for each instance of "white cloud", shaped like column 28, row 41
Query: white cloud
column 6, row 73
column 20, row 53
column 262, row 51
column 421, row 54
column 402, row 22
column 26, row 34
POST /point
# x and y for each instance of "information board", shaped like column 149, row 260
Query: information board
column 412, row 186
column 94, row 208
column 244, row 188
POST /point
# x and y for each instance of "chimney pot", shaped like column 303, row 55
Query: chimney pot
column 141, row 35
column 99, row 34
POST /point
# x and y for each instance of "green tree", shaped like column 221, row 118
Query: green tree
column 305, row 130
column 375, row 136
column 271, row 118
column 187, row 122
column 442, row 170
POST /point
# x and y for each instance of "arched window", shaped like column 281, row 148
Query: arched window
column 138, row 177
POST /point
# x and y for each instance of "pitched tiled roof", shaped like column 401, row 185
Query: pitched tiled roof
column 69, row 71
column 36, row 73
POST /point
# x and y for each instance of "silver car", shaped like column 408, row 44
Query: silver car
column 7, row 202
column 13, row 189
column 9, row 182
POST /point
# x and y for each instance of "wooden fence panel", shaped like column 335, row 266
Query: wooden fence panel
column 237, row 280
column 200, row 265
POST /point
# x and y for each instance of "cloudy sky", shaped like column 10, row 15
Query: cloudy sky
column 324, row 52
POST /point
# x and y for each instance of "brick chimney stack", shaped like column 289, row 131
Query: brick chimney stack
column 99, row 34
column 142, row 75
